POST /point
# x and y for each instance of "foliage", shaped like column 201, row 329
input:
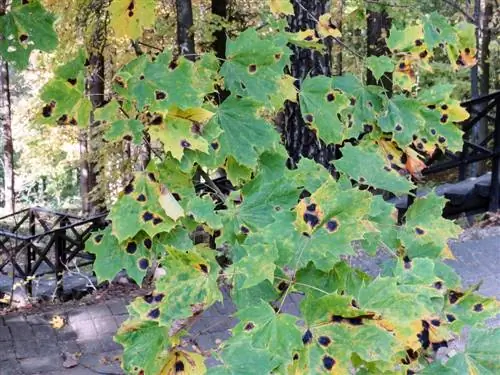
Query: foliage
column 388, row 324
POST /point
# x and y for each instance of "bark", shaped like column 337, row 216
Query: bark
column 185, row 38
column 219, row 8
column 6, row 123
column 378, row 26
column 300, row 140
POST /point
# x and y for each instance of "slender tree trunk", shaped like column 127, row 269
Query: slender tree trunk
column 84, row 171
column 8, row 145
column 6, row 123
column 300, row 140
column 219, row 8
column 338, row 48
column 378, row 26
column 185, row 37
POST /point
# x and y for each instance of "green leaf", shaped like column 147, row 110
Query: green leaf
column 481, row 355
column 144, row 346
column 203, row 211
column 425, row 232
column 130, row 17
column 366, row 163
column 437, row 29
column 256, row 266
column 188, row 287
column 25, row 27
column 121, row 127
column 64, row 96
column 403, row 119
column 111, row 257
column 242, row 358
column 328, row 216
column 245, row 135
column 320, row 106
column 254, row 65
column 140, row 204
column 379, row 65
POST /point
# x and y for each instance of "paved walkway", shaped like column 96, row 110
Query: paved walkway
column 29, row 345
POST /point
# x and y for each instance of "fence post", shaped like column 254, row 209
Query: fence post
column 60, row 247
column 495, row 170
column 29, row 252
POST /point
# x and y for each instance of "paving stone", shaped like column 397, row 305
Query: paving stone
column 48, row 347
column 75, row 317
column 108, row 344
column 9, row 319
column 90, row 346
column 44, row 332
column 79, row 370
column 21, row 331
column 99, row 311
column 7, row 352
column 26, row 349
column 105, row 326
column 10, row 367
column 102, row 363
column 85, row 330
column 69, row 347
column 35, row 365
column 5, row 334
column 37, row 319
column 118, row 307
column 119, row 319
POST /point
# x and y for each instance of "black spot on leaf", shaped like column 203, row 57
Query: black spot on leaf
column 131, row 247
column 433, row 131
column 214, row 145
column 311, row 219
column 307, row 337
column 398, row 128
column 451, row 318
column 252, row 68
column 159, row 297
column 148, row 298
column 438, row 285
column 296, row 356
column 441, row 139
column 444, row 118
column 431, row 106
column 436, row 322
column 157, row 120
column 141, row 198
column 419, row 231
column 478, row 307
column 336, row 318
column 332, row 225
column 418, row 42
column 157, row 220
column 423, row 54
column 249, row 326
column 176, row 196
column 324, row 340
column 127, row 138
column 203, row 268
column 402, row 65
column 98, row 238
column 444, row 107
column 185, row 144
column 454, row 296
column 143, row 263
column 47, row 110
column 128, row 189
column 179, row 366
column 311, row 207
column 330, row 97
column 160, row 95
column 152, row 177
column 277, row 56
column 282, row 286
column 72, row 81
column 352, row 101
column 147, row 216
column 354, row 321
column 309, row 118
column 23, row 38
column 467, row 50
column 196, row 128
column 328, row 362
column 440, row 344
column 148, row 243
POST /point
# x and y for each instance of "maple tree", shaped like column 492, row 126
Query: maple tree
column 284, row 231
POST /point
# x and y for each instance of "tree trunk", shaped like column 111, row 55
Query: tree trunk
column 185, row 37
column 378, row 26
column 6, row 123
column 300, row 140
column 84, row 171
column 96, row 88
column 219, row 8
column 8, row 146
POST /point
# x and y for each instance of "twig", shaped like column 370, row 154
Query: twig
column 453, row 4
column 210, row 183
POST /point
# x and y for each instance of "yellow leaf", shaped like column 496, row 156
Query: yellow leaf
column 281, row 7
column 181, row 362
column 130, row 17
column 57, row 322
column 167, row 201
column 199, row 115
column 327, row 27
column 4, row 298
column 447, row 253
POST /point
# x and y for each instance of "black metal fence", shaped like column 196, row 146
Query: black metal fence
column 36, row 241
column 487, row 109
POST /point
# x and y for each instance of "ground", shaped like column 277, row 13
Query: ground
column 84, row 345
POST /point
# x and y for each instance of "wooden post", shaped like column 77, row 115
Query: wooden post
column 60, row 247
column 495, row 172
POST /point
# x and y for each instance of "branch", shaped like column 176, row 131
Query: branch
column 210, row 183
column 454, row 5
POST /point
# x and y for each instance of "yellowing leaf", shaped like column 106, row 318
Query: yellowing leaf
column 447, row 253
column 130, row 17
column 181, row 362
column 281, row 7
column 192, row 114
column 57, row 322
column 167, row 201
column 327, row 27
